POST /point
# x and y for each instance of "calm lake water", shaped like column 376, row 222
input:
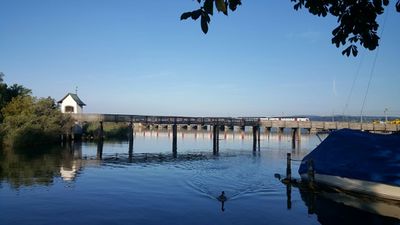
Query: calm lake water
column 79, row 184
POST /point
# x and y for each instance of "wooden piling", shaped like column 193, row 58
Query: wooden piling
column 215, row 139
column 101, row 131
column 267, row 130
column 259, row 137
column 289, row 167
column 174, row 138
column 289, row 196
column 130, row 137
column 100, row 149
column 255, row 128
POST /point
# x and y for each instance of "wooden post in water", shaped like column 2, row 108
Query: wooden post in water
column 259, row 137
column 174, row 138
column 100, row 150
column 289, row 195
column 255, row 128
column 267, row 130
column 101, row 131
column 289, row 167
column 294, row 131
column 215, row 139
column 130, row 138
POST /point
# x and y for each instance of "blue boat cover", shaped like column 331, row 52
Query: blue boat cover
column 357, row 155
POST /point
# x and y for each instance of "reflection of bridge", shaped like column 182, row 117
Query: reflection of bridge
column 221, row 123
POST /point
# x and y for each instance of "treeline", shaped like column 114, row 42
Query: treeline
column 26, row 120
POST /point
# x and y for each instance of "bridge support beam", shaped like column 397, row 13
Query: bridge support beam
column 296, row 136
column 267, row 130
column 101, row 131
column 215, row 139
column 99, row 150
column 256, row 137
column 174, row 139
column 130, row 138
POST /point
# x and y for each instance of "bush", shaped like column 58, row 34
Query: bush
column 110, row 130
column 29, row 121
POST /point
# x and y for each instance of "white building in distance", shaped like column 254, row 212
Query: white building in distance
column 71, row 103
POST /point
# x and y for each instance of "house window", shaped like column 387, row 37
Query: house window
column 69, row 109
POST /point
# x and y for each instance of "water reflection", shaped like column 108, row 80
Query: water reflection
column 23, row 168
column 332, row 207
column 116, row 173
column 71, row 161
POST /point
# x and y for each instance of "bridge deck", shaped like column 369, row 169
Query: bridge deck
column 230, row 121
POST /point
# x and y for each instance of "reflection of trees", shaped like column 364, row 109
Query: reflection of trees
column 37, row 166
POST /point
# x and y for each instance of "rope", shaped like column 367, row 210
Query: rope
column 296, row 160
column 372, row 71
column 353, row 84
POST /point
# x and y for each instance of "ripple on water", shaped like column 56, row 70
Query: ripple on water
column 238, row 174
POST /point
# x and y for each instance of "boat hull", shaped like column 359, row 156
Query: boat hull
column 359, row 186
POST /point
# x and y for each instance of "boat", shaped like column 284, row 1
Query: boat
column 356, row 161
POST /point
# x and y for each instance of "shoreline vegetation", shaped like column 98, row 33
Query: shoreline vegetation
column 111, row 131
column 27, row 121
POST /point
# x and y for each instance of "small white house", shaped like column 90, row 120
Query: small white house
column 71, row 103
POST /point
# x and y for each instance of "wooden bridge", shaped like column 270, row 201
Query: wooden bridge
column 221, row 123
column 232, row 121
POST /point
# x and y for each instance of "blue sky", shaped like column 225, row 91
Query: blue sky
column 137, row 57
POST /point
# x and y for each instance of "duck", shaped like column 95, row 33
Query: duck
column 222, row 197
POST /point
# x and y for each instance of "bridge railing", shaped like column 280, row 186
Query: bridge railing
column 231, row 121
column 89, row 117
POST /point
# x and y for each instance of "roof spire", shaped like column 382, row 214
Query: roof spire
column 76, row 90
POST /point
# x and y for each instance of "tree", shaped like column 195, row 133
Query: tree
column 7, row 93
column 356, row 18
column 29, row 121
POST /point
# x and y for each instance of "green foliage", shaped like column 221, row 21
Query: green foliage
column 29, row 121
column 110, row 130
column 357, row 19
column 7, row 93
column 207, row 10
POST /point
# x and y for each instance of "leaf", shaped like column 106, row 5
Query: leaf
column 204, row 23
column 354, row 50
column 221, row 6
column 398, row 6
column 196, row 14
column 185, row 15
column 209, row 6
column 347, row 51
column 233, row 4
